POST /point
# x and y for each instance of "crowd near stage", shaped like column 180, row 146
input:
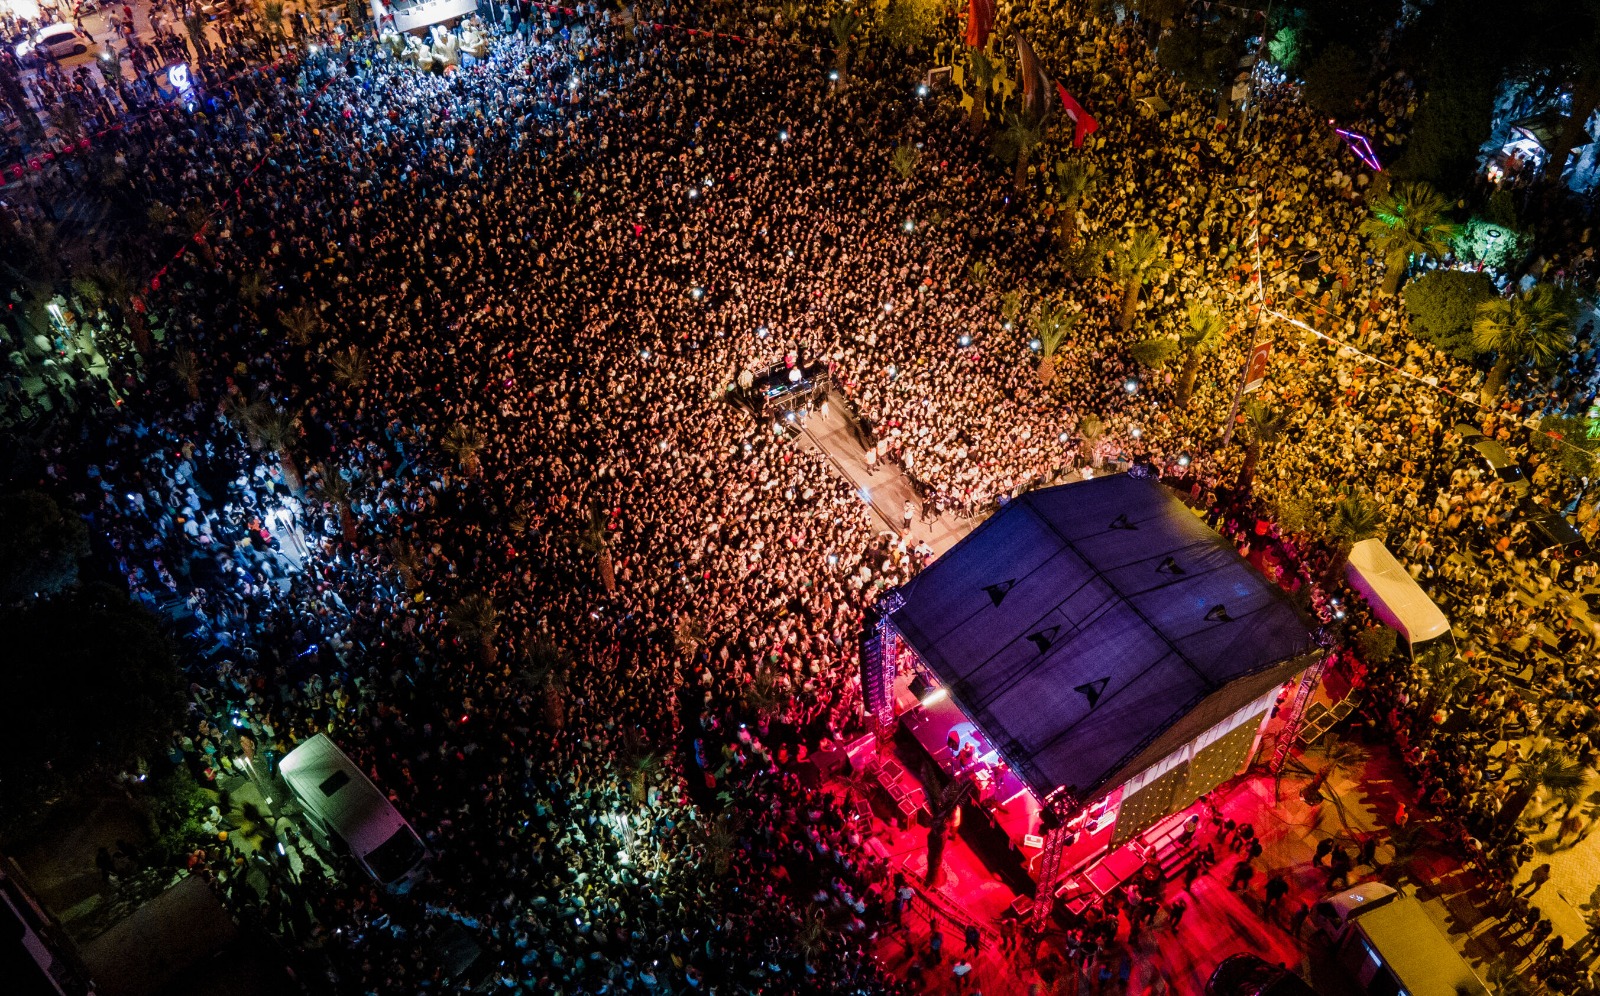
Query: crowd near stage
column 1090, row 661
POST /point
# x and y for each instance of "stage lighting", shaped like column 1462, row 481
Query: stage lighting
column 935, row 696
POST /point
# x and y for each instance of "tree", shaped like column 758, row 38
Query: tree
column 275, row 432
column 1336, row 81
column 333, row 488
column 407, row 562
column 905, row 160
column 186, row 367
column 907, row 23
column 112, row 289
column 196, row 225
column 843, row 25
column 1203, row 336
column 1052, row 323
column 1090, row 431
column 194, row 25
column 949, row 801
column 543, row 669
column 39, row 547
column 92, row 687
column 465, row 443
column 253, row 289
column 1443, row 304
column 982, row 70
column 272, row 17
column 1407, row 220
column 1376, row 644
column 1534, row 326
column 594, row 542
column 1569, row 439
column 1355, row 517
column 1135, row 263
column 1015, row 145
column 1263, row 427
column 1153, row 353
column 300, row 323
column 1073, row 179
column 352, row 367
column 477, row 620
column 1564, row 55
column 1550, row 768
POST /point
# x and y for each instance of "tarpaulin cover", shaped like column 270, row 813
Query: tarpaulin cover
column 1083, row 626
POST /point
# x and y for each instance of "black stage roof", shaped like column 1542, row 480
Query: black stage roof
column 1089, row 629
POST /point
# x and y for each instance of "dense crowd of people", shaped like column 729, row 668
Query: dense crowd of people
column 526, row 554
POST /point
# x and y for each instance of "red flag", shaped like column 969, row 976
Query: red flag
column 1035, row 103
column 980, row 22
column 1084, row 125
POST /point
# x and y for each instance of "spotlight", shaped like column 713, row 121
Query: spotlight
column 1131, row 386
column 1135, row 432
column 761, row 333
column 697, row 293
column 1063, row 437
column 833, row 74
column 694, row 192
column 1183, row 459
column 1033, row 344
column 783, row 136
column 833, row 558
column 910, row 225
column 935, row 696
column 888, row 306
column 922, row 89
column 644, row 354
column 964, row 341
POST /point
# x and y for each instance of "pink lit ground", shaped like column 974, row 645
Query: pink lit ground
column 1218, row 922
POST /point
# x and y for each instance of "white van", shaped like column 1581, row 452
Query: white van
column 341, row 802
column 1396, row 598
column 1386, row 941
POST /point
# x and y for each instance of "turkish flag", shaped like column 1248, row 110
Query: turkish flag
column 1083, row 123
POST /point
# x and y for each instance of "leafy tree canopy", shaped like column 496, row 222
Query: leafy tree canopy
column 91, row 686
column 1336, row 81
column 1442, row 304
column 40, row 546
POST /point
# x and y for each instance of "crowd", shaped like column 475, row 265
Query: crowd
column 529, row 558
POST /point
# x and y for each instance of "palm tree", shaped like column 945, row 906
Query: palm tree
column 1204, row 335
column 1153, row 353
column 1407, row 220
column 408, row 562
column 159, row 215
column 351, row 367
column 690, row 635
column 1535, row 326
column 252, row 289
column 1052, row 323
column 113, row 290
column 476, row 618
column 464, row 442
column 543, row 669
column 301, row 323
column 1355, row 518
column 186, row 367
column 275, row 432
column 333, row 488
column 905, row 160
column 194, row 24
column 593, row 541
column 766, row 691
column 843, row 25
column 1549, row 768
column 949, row 800
column 196, row 224
column 977, row 273
column 1015, row 145
column 1263, row 427
column 1090, row 431
column 982, row 69
column 1074, row 178
column 1135, row 263
column 272, row 16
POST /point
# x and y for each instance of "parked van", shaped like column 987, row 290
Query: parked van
column 1396, row 598
column 1387, row 943
column 341, row 802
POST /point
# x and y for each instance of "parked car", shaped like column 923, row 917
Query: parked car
column 1247, row 975
column 1495, row 458
column 56, row 40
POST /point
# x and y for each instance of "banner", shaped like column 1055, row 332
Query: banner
column 980, row 22
column 1083, row 122
column 1035, row 99
column 1255, row 372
